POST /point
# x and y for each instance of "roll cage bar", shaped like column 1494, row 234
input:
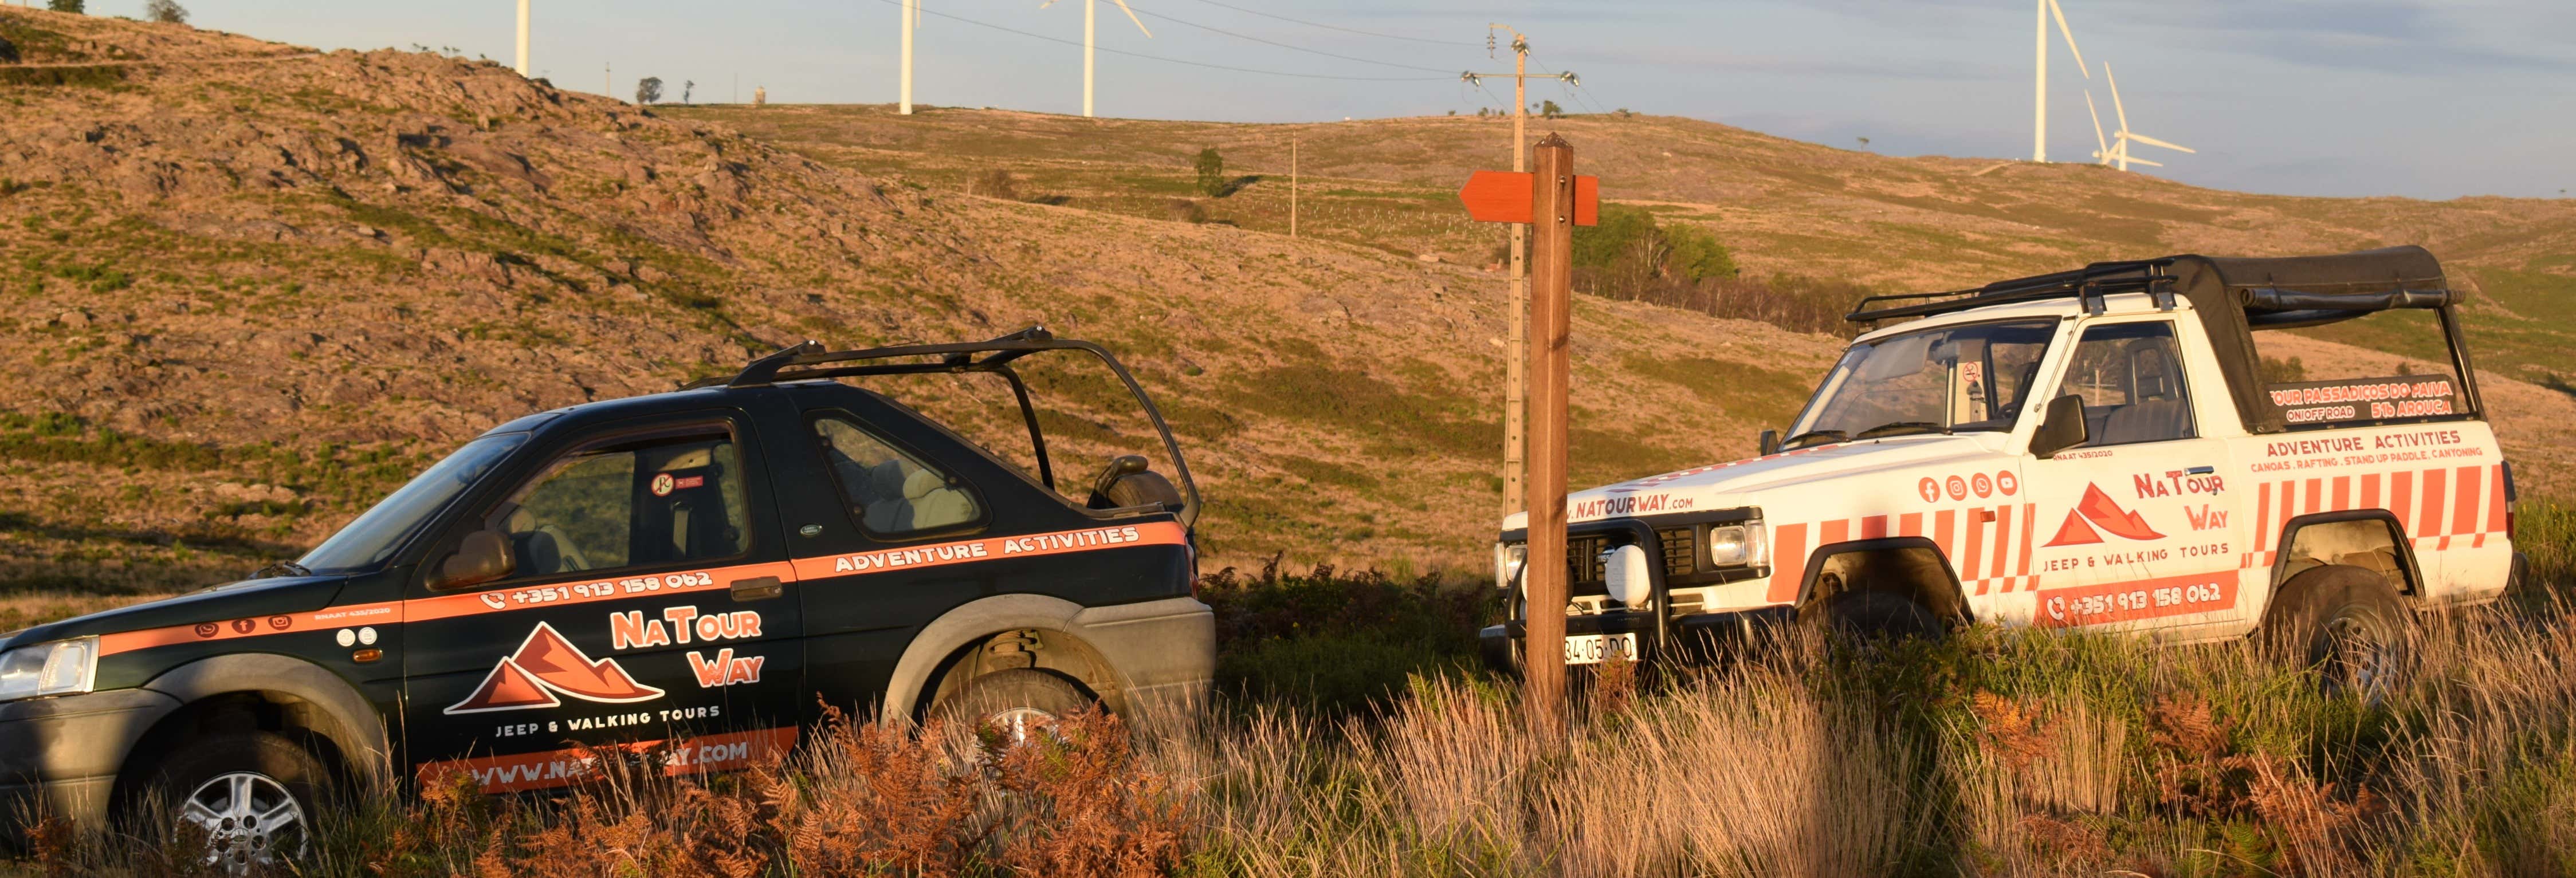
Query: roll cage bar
column 809, row 360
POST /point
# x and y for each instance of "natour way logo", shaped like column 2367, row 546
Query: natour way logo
column 2097, row 514
column 547, row 665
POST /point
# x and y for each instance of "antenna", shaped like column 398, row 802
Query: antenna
column 1090, row 34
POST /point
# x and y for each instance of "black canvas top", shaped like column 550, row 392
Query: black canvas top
column 2235, row 296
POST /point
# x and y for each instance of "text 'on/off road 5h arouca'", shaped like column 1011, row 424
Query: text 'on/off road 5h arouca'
column 2132, row 446
column 694, row 574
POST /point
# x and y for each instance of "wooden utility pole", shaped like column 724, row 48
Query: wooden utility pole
column 1552, row 207
column 1516, row 379
column 1292, row 185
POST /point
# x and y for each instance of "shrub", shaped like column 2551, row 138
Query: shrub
column 165, row 12
column 996, row 183
column 1339, row 642
column 1211, row 169
column 1185, row 210
column 1629, row 251
column 71, row 6
column 648, row 90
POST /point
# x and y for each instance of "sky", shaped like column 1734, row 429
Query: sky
column 2424, row 98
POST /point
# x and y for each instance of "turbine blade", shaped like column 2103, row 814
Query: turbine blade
column 2100, row 145
column 1131, row 16
column 2150, row 141
column 2115, row 97
column 2070, row 38
column 2139, row 161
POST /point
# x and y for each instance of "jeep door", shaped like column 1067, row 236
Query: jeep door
column 909, row 521
column 648, row 605
column 2138, row 527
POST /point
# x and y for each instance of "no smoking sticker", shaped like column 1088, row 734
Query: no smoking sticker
column 662, row 484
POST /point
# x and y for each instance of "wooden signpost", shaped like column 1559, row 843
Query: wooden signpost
column 1552, row 201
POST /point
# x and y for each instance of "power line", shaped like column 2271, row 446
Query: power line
column 1289, row 47
column 1337, row 27
column 1038, row 36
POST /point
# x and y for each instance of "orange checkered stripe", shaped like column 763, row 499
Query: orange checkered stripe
column 1989, row 546
column 2436, row 507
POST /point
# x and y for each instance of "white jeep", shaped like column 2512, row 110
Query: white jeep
column 2108, row 448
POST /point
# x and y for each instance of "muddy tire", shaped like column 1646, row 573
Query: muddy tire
column 1017, row 702
column 2347, row 623
column 255, row 796
column 1866, row 615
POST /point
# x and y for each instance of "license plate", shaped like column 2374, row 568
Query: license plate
column 1593, row 649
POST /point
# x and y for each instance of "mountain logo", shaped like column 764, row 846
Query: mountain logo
column 2098, row 510
column 546, row 666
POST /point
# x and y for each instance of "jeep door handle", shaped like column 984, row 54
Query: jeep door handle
column 758, row 588
column 2200, row 470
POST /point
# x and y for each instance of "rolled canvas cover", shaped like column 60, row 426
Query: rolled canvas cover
column 2220, row 289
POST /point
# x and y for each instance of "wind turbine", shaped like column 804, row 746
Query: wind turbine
column 1090, row 13
column 2039, row 121
column 523, row 38
column 911, row 19
column 2118, row 153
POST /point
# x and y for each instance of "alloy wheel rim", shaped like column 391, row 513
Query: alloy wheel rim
column 249, row 819
column 2360, row 654
column 1018, row 724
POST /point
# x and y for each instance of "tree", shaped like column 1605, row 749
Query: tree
column 1549, row 109
column 686, row 86
column 648, row 89
column 1211, row 168
column 1696, row 255
column 75, row 7
column 165, row 12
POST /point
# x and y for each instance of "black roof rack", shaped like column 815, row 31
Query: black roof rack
column 809, row 360
column 2089, row 283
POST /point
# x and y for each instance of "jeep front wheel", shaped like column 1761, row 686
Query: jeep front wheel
column 254, row 796
column 1871, row 614
column 1018, row 702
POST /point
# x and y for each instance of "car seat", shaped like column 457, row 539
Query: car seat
column 2155, row 411
column 933, row 503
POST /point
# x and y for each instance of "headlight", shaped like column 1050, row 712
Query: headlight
column 63, row 667
column 1739, row 545
column 1508, row 560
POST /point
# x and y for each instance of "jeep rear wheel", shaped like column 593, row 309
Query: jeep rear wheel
column 2346, row 623
column 253, row 795
column 1018, row 702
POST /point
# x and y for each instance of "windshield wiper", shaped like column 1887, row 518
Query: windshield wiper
column 288, row 568
column 1902, row 427
column 1832, row 435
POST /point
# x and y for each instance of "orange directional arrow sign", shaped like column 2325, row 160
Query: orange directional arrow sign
column 1504, row 197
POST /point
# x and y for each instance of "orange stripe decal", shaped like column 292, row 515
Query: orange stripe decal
column 2431, row 523
column 2464, row 515
column 1788, row 563
column 576, row 591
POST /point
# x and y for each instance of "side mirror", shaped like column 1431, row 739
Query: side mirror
column 2062, row 427
column 1770, row 442
column 482, row 557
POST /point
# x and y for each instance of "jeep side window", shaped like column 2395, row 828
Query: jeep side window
column 2130, row 376
column 892, row 493
column 661, row 501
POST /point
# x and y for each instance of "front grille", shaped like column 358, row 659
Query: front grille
column 1583, row 559
column 1681, row 550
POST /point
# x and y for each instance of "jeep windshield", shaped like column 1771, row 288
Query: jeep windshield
column 367, row 541
column 1954, row 379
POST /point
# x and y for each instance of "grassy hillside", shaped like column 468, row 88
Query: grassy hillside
column 1786, row 207
column 250, row 288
